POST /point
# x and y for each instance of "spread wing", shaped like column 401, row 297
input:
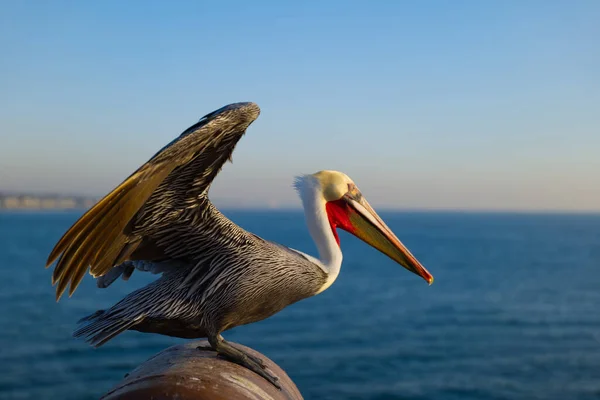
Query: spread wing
column 176, row 178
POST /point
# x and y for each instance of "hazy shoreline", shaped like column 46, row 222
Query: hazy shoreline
column 45, row 202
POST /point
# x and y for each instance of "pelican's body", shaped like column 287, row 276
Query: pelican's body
column 215, row 275
column 230, row 282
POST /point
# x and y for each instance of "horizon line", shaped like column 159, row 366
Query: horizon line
column 297, row 207
column 380, row 209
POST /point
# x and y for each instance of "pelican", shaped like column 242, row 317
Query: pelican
column 214, row 275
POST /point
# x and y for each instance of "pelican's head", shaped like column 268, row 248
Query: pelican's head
column 347, row 209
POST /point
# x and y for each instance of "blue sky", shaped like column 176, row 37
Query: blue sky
column 425, row 104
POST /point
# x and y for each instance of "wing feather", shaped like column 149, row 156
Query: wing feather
column 174, row 179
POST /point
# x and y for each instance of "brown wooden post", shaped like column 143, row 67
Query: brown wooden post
column 184, row 372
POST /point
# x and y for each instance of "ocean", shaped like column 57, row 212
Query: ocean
column 514, row 313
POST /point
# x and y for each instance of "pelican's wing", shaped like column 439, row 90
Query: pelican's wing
column 176, row 178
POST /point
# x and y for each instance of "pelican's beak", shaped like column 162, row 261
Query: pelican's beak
column 369, row 227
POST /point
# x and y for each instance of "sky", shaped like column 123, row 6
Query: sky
column 470, row 105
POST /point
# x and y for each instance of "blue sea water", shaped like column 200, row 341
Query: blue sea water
column 514, row 313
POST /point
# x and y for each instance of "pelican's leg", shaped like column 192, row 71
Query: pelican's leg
column 209, row 347
column 242, row 358
column 206, row 347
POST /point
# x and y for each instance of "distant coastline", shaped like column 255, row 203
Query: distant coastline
column 45, row 202
column 33, row 202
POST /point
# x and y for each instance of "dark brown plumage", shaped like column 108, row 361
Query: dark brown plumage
column 160, row 219
column 214, row 274
column 116, row 228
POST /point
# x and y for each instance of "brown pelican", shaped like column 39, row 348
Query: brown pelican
column 214, row 274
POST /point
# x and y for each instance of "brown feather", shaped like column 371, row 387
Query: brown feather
column 86, row 237
column 60, row 288
column 85, row 220
column 80, row 246
column 123, row 224
column 126, row 252
column 77, row 262
column 80, row 273
column 104, row 263
column 104, row 225
column 97, row 240
column 65, row 258
column 76, row 278
column 148, row 250
column 130, row 205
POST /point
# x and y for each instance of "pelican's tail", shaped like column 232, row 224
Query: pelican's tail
column 136, row 310
column 101, row 326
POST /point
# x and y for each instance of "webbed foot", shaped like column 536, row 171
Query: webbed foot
column 206, row 347
column 242, row 358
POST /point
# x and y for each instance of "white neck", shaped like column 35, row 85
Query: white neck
column 330, row 255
